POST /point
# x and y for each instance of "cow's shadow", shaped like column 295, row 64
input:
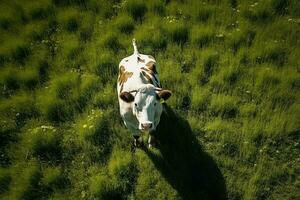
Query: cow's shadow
column 190, row 170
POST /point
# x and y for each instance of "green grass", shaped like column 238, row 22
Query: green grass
column 136, row 9
column 26, row 182
column 44, row 143
column 178, row 32
column 16, row 50
column 5, row 180
column 202, row 36
column 54, row 178
column 230, row 129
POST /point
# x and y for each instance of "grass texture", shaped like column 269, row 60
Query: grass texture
column 231, row 129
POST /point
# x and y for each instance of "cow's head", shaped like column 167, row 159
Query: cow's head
column 146, row 105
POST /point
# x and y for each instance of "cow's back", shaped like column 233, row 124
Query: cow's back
column 136, row 70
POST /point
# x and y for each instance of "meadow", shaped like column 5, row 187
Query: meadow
column 231, row 129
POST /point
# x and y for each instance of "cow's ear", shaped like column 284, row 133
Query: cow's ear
column 164, row 94
column 127, row 97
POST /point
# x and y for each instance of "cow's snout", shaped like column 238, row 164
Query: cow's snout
column 146, row 126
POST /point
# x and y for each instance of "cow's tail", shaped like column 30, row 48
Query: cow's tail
column 135, row 47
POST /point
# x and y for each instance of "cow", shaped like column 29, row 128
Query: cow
column 140, row 95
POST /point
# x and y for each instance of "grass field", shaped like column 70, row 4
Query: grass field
column 231, row 129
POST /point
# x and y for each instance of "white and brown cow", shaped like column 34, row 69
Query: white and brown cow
column 140, row 94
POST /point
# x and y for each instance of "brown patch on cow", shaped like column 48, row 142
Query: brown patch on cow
column 148, row 78
column 151, row 65
column 152, row 74
column 123, row 76
column 141, row 60
column 148, row 70
column 151, row 57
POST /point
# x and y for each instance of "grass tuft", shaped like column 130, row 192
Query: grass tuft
column 125, row 24
column 204, row 13
column 280, row 6
column 54, row 178
column 200, row 99
column 17, row 50
column 260, row 14
column 178, row 33
column 124, row 170
column 224, row 106
column 202, row 37
column 158, row 7
column 106, row 66
column 44, row 143
column 241, row 38
column 27, row 183
column 151, row 40
column 5, row 180
column 96, row 129
column 137, row 9
column 111, row 42
column 39, row 10
column 101, row 187
column 69, row 19
column 20, row 108
column 272, row 53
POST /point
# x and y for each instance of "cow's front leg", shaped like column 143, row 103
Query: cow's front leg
column 137, row 140
column 151, row 140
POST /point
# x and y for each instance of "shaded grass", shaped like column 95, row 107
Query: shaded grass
column 192, row 177
column 20, row 108
column 54, row 178
column 125, row 24
column 260, row 13
column 137, row 9
column 151, row 40
column 111, row 42
column 272, row 53
column 27, row 185
column 70, row 19
column 38, row 10
column 178, row 33
column 44, row 143
column 5, row 180
column 16, row 50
